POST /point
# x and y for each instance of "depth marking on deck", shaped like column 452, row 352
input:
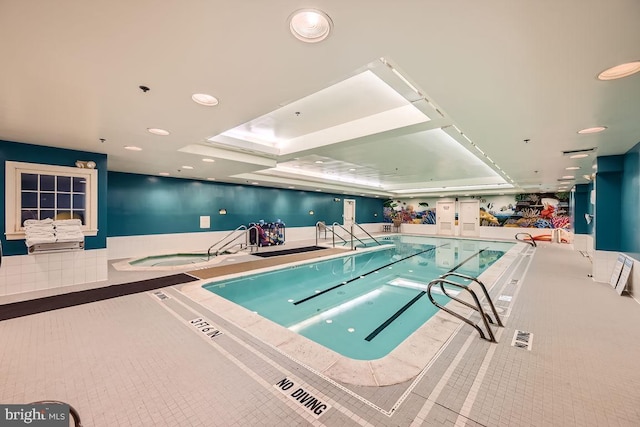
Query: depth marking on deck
column 303, row 412
column 522, row 339
column 302, row 396
column 160, row 295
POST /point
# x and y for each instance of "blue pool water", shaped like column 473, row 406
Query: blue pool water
column 351, row 304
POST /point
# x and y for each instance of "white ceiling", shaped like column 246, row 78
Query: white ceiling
column 498, row 71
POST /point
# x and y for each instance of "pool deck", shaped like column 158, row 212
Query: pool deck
column 147, row 360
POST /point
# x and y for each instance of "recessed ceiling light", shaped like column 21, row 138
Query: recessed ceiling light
column 568, row 177
column 578, row 156
column 310, row 25
column 211, row 179
column 187, row 167
column 291, row 187
column 208, row 160
column 132, row 148
column 204, row 99
column 157, row 131
column 255, row 183
column 594, row 129
column 620, row 71
column 163, row 173
column 573, row 168
column 319, row 162
column 352, row 169
column 317, row 189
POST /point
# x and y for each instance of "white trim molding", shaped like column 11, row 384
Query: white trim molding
column 13, row 203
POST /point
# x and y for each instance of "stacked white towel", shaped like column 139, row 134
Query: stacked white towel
column 68, row 230
column 50, row 231
column 37, row 231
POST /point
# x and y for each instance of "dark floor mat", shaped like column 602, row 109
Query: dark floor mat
column 40, row 305
column 288, row 251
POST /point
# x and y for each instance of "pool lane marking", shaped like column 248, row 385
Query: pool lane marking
column 365, row 274
column 286, row 374
column 405, row 307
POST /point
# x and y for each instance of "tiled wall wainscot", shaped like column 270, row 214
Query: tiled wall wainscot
column 27, row 273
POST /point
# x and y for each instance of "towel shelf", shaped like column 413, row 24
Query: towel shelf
column 42, row 248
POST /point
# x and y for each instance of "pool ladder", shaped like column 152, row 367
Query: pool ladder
column 486, row 319
column 228, row 244
column 321, row 226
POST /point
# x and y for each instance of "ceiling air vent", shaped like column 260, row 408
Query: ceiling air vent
column 574, row 152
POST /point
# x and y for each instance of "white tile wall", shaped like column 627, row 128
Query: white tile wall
column 26, row 273
column 139, row 246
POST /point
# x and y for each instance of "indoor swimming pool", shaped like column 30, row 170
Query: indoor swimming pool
column 365, row 304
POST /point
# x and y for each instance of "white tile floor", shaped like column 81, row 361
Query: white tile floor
column 138, row 361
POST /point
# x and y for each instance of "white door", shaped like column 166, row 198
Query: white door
column 469, row 218
column 349, row 213
column 445, row 217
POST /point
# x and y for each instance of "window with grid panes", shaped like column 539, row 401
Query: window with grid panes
column 45, row 191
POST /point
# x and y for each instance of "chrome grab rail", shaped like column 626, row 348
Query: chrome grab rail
column 366, row 232
column 484, row 291
column 477, row 306
column 529, row 241
column 349, row 233
column 225, row 237
column 74, row 414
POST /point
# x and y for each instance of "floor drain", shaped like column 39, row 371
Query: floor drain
column 522, row 339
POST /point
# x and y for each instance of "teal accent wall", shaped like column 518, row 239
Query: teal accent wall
column 630, row 221
column 142, row 204
column 608, row 209
column 19, row 152
column 580, row 205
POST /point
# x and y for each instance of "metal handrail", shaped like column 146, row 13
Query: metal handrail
column 221, row 240
column 349, row 233
column 530, row 241
column 484, row 291
column 74, row 414
column 366, row 232
column 477, row 307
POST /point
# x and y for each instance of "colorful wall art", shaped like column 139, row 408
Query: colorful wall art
column 529, row 210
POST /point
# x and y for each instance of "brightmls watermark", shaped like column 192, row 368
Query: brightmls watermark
column 37, row 415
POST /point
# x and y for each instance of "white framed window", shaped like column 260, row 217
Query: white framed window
column 36, row 191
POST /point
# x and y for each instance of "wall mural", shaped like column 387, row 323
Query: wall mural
column 529, row 210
